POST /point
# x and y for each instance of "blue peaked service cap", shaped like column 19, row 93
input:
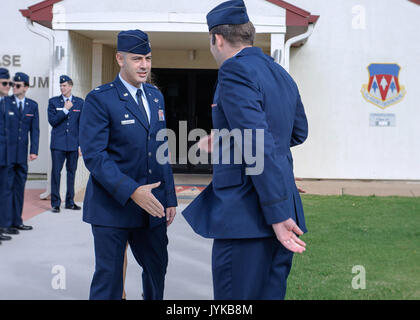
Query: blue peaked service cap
column 20, row 76
column 134, row 41
column 64, row 78
column 4, row 73
column 229, row 12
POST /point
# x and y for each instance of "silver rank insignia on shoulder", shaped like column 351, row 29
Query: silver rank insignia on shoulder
column 125, row 94
column 97, row 88
column 156, row 100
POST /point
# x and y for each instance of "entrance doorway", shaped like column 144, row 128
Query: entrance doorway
column 188, row 97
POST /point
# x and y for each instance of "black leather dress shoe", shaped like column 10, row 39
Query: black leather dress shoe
column 56, row 209
column 4, row 238
column 9, row 231
column 23, row 227
column 73, row 207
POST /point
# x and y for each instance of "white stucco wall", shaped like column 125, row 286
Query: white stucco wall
column 330, row 70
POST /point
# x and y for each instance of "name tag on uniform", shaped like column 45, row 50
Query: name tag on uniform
column 59, row 109
column 124, row 122
column 11, row 113
column 161, row 115
column 29, row 115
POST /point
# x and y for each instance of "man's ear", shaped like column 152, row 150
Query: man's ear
column 120, row 59
column 219, row 41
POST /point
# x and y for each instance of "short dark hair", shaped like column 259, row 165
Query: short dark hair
column 70, row 82
column 235, row 34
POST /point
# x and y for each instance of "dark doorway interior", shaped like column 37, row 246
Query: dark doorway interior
column 188, row 97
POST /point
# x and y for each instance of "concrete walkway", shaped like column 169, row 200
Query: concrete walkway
column 332, row 187
column 62, row 244
column 361, row 187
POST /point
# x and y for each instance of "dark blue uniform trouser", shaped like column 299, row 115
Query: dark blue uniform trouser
column 250, row 269
column 5, row 219
column 58, row 158
column 17, row 174
column 149, row 247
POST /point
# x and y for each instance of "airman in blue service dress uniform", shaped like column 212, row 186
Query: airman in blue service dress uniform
column 64, row 115
column 254, row 220
column 128, row 188
column 24, row 124
column 5, row 84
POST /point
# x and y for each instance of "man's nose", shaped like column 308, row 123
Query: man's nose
column 143, row 64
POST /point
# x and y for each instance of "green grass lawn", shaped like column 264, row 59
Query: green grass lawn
column 382, row 234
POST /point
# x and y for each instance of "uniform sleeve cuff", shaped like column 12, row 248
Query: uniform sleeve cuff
column 124, row 191
column 277, row 212
column 171, row 200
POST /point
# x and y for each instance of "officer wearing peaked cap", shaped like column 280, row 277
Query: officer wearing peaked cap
column 128, row 189
column 254, row 218
column 4, row 161
column 64, row 115
column 24, row 124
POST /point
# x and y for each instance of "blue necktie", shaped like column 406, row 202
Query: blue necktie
column 141, row 105
column 20, row 109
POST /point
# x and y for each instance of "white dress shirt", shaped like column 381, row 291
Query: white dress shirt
column 133, row 91
column 23, row 103
column 71, row 100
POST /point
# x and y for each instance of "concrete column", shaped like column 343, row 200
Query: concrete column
column 60, row 66
column 97, row 50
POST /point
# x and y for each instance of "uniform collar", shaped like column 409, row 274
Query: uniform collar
column 70, row 98
column 238, row 52
column 249, row 51
column 17, row 100
column 132, row 89
column 131, row 104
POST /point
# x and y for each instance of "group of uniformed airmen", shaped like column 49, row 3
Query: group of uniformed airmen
column 18, row 120
column 19, row 129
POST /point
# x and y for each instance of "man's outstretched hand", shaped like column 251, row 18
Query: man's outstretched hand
column 287, row 232
column 206, row 143
column 144, row 198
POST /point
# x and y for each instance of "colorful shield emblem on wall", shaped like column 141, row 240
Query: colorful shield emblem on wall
column 384, row 88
